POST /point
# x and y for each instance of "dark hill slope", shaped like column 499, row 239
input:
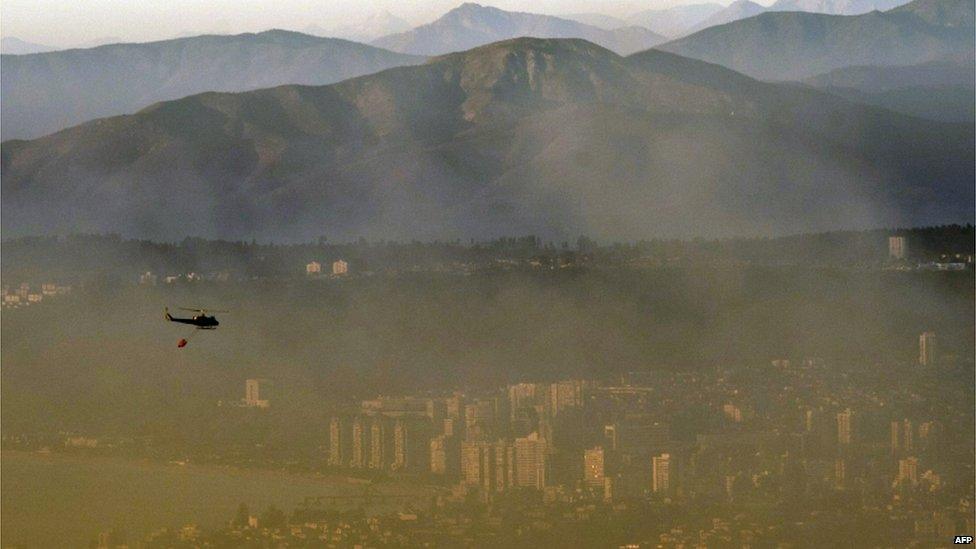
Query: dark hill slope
column 940, row 90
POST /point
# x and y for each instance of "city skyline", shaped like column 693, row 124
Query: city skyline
column 564, row 273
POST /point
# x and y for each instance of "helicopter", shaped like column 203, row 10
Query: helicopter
column 201, row 321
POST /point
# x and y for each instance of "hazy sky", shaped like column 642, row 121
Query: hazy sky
column 65, row 23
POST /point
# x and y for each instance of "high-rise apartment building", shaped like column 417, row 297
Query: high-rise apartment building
column 252, row 394
column 377, row 446
column 360, row 442
column 902, row 437
column 563, row 395
column 593, row 467
column 908, row 471
column 503, row 475
column 400, row 445
column 897, row 247
column 844, row 427
column 478, row 420
column 476, row 464
column 521, row 395
column 335, row 442
column 926, row 349
column 531, row 454
column 439, row 454
column 661, row 473
column 610, row 437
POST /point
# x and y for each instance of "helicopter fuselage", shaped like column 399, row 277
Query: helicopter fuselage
column 202, row 322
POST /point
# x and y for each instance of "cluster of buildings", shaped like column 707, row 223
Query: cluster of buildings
column 681, row 436
column 252, row 394
column 25, row 294
column 255, row 396
column 897, row 247
column 898, row 257
column 339, row 268
column 790, row 453
column 536, row 259
column 488, row 442
column 149, row 278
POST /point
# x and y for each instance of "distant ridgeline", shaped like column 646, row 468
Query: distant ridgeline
column 550, row 137
column 81, row 258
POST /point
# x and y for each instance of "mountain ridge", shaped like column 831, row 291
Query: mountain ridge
column 47, row 91
column 740, row 9
column 471, row 25
column 836, row 7
column 675, row 21
column 11, row 45
column 797, row 45
column 943, row 89
column 548, row 137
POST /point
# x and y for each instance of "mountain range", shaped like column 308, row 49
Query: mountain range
column 795, row 45
column 46, row 92
column 681, row 20
column 836, row 7
column 600, row 20
column 675, row 21
column 740, row 9
column 528, row 136
column 367, row 28
column 11, row 45
column 472, row 25
column 743, row 9
column 944, row 89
